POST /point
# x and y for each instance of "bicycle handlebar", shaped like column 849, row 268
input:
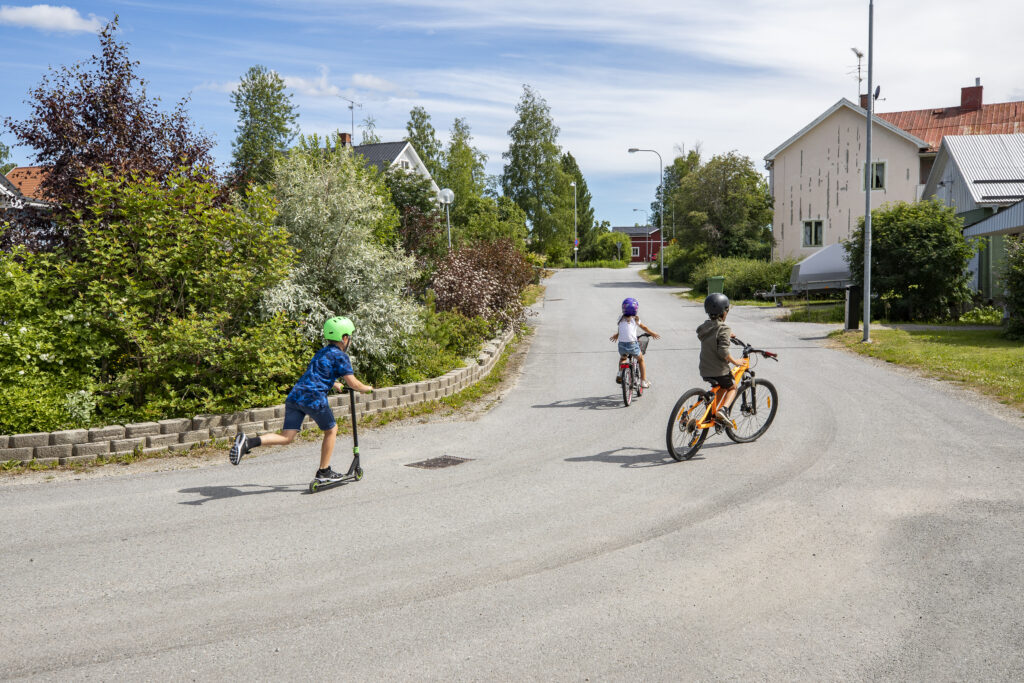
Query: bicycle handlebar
column 748, row 349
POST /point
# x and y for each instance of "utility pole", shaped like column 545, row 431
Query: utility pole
column 868, row 178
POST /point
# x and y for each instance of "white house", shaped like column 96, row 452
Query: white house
column 385, row 155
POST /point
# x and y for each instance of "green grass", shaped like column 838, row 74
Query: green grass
column 802, row 313
column 981, row 359
column 532, row 294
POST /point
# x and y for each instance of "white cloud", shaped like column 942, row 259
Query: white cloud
column 315, row 87
column 370, row 82
column 49, row 18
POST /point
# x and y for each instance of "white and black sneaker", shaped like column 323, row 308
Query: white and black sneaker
column 238, row 449
column 327, row 475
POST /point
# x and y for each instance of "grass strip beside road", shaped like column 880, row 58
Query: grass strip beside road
column 983, row 360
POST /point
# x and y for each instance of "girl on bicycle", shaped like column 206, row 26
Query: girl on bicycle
column 627, row 338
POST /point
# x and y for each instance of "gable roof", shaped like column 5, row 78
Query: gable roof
column 381, row 154
column 992, row 167
column 28, row 180
column 932, row 125
column 633, row 230
column 843, row 102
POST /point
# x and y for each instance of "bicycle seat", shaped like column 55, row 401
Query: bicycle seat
column 713, row 381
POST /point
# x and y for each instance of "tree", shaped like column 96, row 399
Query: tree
column 532, row 172
column 585, row 227
column 1013, row 280
column 96, row 114
column 723, row 203
column 336, row 211
column 370, row 136
column 463, row 171
column 5, row 154
column 918, row 258
column 676, row 209
column 423, row 137
column 266, row 124
column 421, row 227
column 490, row 220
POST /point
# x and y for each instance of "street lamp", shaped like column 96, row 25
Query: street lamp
column 867, row 181
column 446, row 197
column 661, row 213
column 575, row 239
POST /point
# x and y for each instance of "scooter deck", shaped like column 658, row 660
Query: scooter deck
column 353, row 475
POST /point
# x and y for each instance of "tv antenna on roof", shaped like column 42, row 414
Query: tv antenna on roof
column 352, row 104
column 860, row 56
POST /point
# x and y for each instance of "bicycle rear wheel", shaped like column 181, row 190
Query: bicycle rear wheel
column 638, row 383
column 753, row 411
column 627, row 385
column 683, row 437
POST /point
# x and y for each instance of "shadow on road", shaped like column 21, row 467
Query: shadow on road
column 629, row 456
column 589, row 403
column 219, row 492
column 631, row 284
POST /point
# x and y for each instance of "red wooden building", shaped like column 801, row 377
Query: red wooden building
column 645, row 240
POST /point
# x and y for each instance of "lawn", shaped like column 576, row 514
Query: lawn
column 981, row 359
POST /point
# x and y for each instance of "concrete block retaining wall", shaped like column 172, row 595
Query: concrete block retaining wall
column 178, row 434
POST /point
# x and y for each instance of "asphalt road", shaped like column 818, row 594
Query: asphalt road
column 876, row 532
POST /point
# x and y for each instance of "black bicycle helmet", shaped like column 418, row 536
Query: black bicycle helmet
column 716, row 304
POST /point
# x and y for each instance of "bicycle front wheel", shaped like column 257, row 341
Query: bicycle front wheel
column 683, row 437
column 627, row 385
column 753, row 411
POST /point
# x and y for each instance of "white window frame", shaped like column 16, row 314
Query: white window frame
column 883, row 165
column 635, row 252
column 821, row 233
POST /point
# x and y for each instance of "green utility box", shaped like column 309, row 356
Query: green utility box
column 716, row 284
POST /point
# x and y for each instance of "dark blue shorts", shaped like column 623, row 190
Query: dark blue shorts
column 294, row 414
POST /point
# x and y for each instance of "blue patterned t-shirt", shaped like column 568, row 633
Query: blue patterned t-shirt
column 328, row 365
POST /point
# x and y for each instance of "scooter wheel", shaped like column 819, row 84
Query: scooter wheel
column 313, row 486
column 359, row 473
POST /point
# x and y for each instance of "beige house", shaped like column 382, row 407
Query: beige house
column 817, row 177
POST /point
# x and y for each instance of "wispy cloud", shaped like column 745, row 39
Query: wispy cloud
column 49, row 18
column 314, row 87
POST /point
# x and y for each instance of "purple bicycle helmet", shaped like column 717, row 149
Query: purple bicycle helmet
column 630, row 306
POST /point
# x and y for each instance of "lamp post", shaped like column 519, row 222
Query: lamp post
column 661, row 213
column 868, row 177
column 575, row 238
column 447, row 197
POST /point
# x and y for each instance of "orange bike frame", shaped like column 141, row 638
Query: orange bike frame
column 707, row 419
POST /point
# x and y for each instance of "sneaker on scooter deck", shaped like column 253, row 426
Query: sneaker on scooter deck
column 328, row 476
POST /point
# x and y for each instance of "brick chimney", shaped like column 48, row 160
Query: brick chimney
column 970, row 98
column 345, row 139
column 863, row 101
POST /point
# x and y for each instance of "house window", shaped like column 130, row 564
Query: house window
column 877, row 175
column 813, row 233
column 404, row 164
column 636, row 252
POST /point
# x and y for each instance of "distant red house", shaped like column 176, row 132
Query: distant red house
column 645, row 240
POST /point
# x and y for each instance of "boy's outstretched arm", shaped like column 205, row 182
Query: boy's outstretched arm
column 354, row 383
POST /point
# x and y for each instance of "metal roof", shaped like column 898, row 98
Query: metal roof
column 381, row 154
column 934, row 124
column 635, row 229
column 991, row 165
column 857, row 110
column 1009, row 221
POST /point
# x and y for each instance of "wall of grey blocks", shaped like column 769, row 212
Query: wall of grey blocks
column 178, row 434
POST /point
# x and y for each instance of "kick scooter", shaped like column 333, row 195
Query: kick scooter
column 355, row 472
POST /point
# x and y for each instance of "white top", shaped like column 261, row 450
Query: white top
column 627, row 328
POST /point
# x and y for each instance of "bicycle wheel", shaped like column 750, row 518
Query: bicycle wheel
column 683, row 437
column 637, row 382
column 627, row 385
column 753, row 411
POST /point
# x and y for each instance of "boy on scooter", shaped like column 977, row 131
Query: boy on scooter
column 309, row 397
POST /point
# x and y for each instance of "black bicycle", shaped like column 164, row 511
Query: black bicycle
column 629, row 367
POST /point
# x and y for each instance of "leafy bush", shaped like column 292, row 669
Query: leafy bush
column 983, row 315
column 680, row 261
column 448, row 338
column 743, row 277
column 484, row 280
column 603, row 263
column 918, row 259
column 1013, row 280
column 609, row 246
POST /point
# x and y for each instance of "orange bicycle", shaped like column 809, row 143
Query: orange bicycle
column 752, row 411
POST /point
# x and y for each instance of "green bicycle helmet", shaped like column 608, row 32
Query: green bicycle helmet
column 337, row 327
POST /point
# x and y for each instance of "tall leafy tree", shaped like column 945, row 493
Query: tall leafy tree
column 423, row 137
column 532, row 170
column 97, row 114
column 681, row 166
column 585, row 227
column 463, row 171
column 266, row 124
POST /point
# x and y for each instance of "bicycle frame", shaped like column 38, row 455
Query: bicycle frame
column 707, row 419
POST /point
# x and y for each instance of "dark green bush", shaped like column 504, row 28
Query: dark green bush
column 680, row 261
column 1013, row 280
column 743, row 277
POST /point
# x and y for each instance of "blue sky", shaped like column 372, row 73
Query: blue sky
column 660, row 74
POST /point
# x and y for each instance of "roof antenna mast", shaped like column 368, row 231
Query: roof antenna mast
column 860, row 79
column 352, row 104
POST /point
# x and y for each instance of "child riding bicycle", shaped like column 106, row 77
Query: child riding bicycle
column 627, row 338
column 715, row 337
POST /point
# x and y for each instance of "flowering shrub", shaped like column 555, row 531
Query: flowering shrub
column 483, row 280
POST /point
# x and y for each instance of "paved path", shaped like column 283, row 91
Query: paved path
column 875, row 532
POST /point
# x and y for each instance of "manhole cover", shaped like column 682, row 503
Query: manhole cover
column 438, row 463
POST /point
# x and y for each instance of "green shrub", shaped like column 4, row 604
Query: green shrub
column 743, row 277
column 983, row 315
column 681, row 262
column 448, row 338
column 603, row 263
column 1013, row 281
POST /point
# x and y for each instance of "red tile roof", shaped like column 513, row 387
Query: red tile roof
column 931, row 125
column 27, row 179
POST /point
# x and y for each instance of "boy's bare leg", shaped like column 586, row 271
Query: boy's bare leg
column 282, row 438
column 730, row 396
column 327, row 447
